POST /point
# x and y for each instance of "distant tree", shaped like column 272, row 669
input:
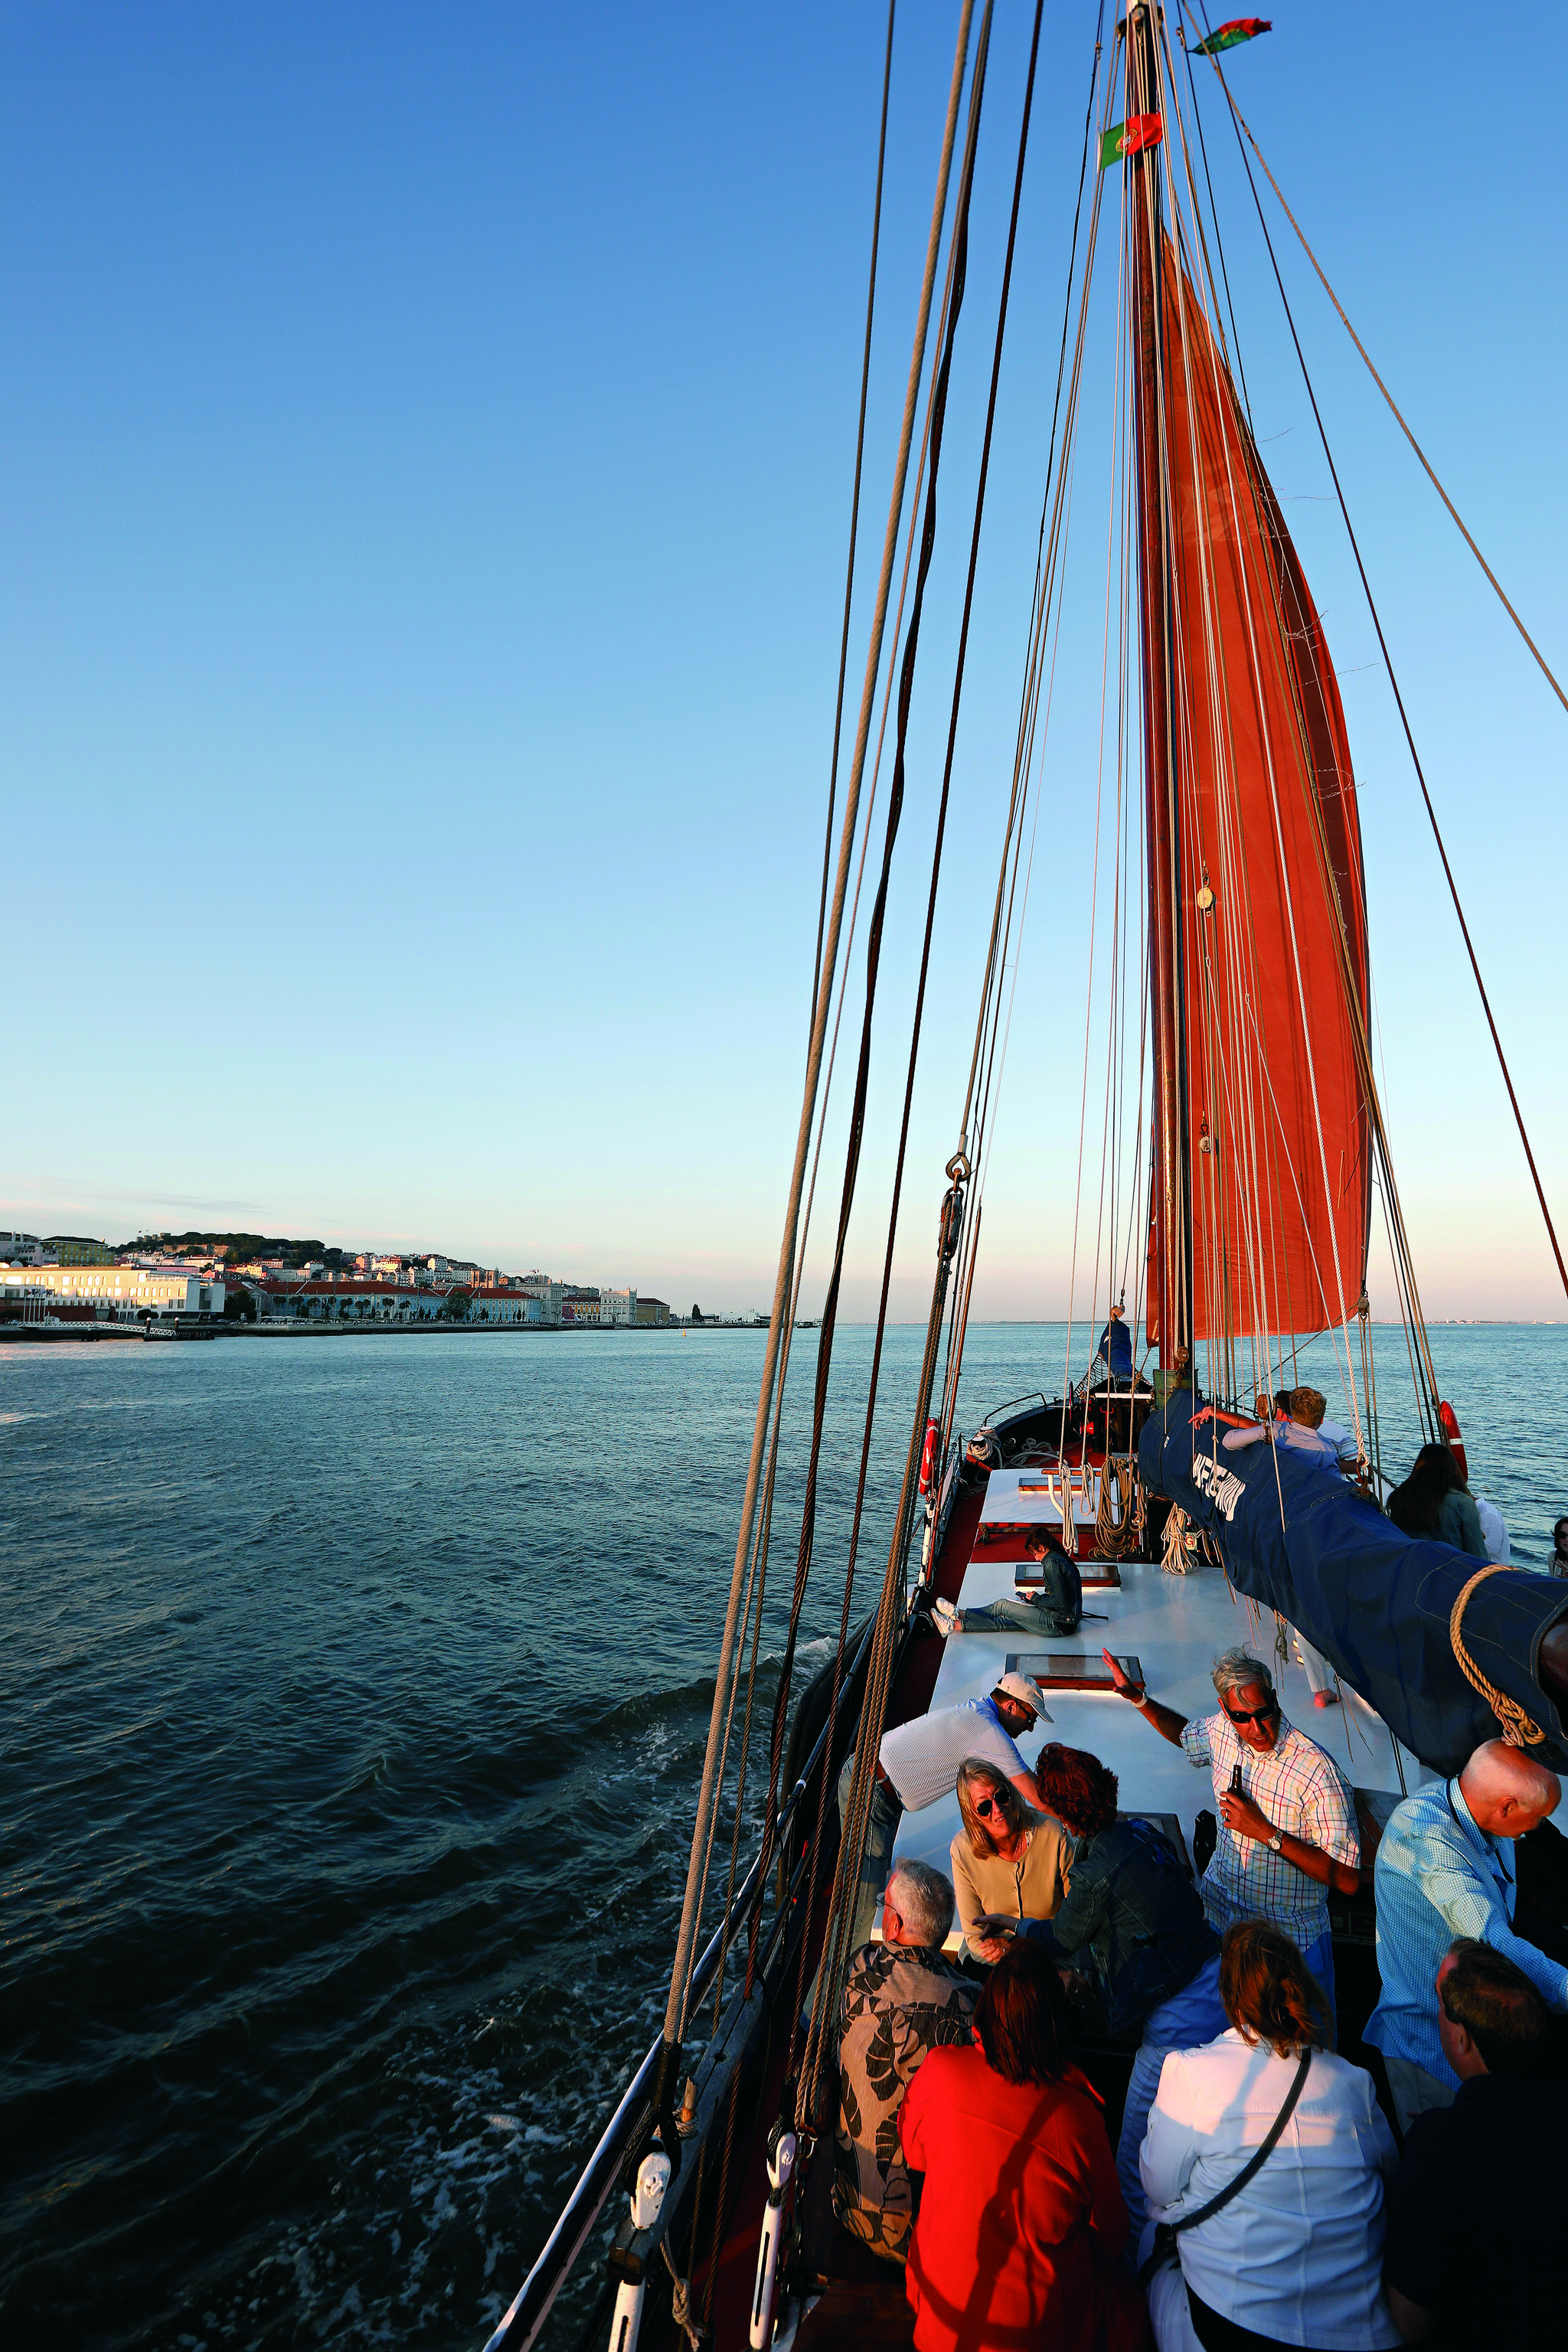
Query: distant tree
column 696, row 1312
column 238, row 1306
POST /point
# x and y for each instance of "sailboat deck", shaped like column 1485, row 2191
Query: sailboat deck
column 1175, row 1626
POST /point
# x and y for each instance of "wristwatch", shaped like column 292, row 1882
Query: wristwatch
column 1276, row 1842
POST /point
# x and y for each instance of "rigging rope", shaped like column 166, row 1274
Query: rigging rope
column 1518, row 1729
column 1055, row 509
column 1388, row 396
column 686, row 1939
column 873, row 961
column 1382, row 642
column 854, row 505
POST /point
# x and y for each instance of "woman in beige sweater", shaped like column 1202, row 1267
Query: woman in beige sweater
column 1008, row 1862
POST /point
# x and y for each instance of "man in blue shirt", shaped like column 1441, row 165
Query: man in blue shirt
column 1445, row 1868
column 1115, row 1351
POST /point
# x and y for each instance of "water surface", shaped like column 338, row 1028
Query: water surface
column 353, row 1697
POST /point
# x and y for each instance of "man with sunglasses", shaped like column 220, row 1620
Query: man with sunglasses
column 1290, row 1833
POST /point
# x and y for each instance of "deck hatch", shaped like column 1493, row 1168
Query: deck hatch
column 1094, row 1575
column 1071, row 1669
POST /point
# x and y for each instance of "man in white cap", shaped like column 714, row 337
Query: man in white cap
column 918, row 1763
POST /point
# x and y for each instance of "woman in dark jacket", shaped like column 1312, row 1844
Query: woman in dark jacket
column 1133, row 1921
column 1436, row 1501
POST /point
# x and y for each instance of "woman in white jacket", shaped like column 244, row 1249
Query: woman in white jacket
column 1295, row 2257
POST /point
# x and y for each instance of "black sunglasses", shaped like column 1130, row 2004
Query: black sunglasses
column 989, row 1805
column 1256, row 1714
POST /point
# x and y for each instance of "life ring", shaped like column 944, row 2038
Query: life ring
column 1449, row 1419
column 928, row 1455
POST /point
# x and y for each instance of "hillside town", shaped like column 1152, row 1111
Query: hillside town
column 206, row 1282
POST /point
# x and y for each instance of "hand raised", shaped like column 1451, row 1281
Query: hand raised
column 1125, row 1688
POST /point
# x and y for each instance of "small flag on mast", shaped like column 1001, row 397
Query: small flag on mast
column 1130, row 138
column 1231, row 36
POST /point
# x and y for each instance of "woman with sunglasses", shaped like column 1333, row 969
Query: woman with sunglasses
column 1288, row 1833
column 1009, row 1862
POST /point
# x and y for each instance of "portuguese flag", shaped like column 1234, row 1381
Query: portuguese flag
column 1130, row 138
column 1231, row 36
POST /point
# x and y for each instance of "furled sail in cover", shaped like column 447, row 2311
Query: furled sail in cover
column 1298, row 1537
column 1265, row 914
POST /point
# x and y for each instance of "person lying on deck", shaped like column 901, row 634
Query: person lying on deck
column 1308, row 1408
column 903, row 1999
column 1055, row 1609
column 917, row 1762
column 1289, row 1834
column 1009, row 1861
column 1021, row 2224
column 1133, row 1923
column 1276, row 1422
column 1446, row 1867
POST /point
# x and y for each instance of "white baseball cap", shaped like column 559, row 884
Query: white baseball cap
column 1027, row 1694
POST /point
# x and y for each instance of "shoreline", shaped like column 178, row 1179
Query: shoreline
column 86, row 1334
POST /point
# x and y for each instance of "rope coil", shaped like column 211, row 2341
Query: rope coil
column 1518, row 1730
column 1181, row 1552
column 1114, row 1533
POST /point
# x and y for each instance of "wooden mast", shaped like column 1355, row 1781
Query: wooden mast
column 1171, row 1208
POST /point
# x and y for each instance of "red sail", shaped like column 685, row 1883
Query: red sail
column 1265, row 917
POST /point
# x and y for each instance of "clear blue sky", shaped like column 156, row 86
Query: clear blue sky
column 427, row 442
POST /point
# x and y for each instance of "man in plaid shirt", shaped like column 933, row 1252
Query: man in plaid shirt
column 1290, row 1834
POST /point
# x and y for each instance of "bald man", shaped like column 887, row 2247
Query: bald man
column 1445, row 1868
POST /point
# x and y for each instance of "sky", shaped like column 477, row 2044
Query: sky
column 427, row 440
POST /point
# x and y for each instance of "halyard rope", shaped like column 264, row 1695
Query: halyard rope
column 707, row 1796
column 1518, row 1729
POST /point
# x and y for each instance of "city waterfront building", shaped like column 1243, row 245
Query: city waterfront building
column 548, row 1293
column 74, row 1249
column 306, row 1298
column 618, row 1306
column 124, row 1291
column 651, row 1310
column 500, row 1303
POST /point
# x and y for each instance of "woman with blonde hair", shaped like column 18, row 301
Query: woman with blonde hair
column 1264, row 2167
column 1009, row 1862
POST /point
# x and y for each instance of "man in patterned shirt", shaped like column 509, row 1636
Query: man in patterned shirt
column 904, row 1998
column 1290, row 1834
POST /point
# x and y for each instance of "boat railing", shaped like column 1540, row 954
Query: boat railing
column 1030, row 1396
column 520, row 2328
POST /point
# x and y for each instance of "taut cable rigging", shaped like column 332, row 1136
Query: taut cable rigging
column 1382, row 642
column 854, row 504
column 707, row 1796
column 1421, row 453
column 1388, row 661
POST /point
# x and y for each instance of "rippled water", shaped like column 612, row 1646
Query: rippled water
column 354, row 1694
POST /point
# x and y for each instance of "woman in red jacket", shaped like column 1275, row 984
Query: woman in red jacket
column 1021, row 2220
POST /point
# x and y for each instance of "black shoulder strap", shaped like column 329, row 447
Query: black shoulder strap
column 1165, row 2236
column 1257, row 2157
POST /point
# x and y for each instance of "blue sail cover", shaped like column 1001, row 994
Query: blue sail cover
column 1298, row 1537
